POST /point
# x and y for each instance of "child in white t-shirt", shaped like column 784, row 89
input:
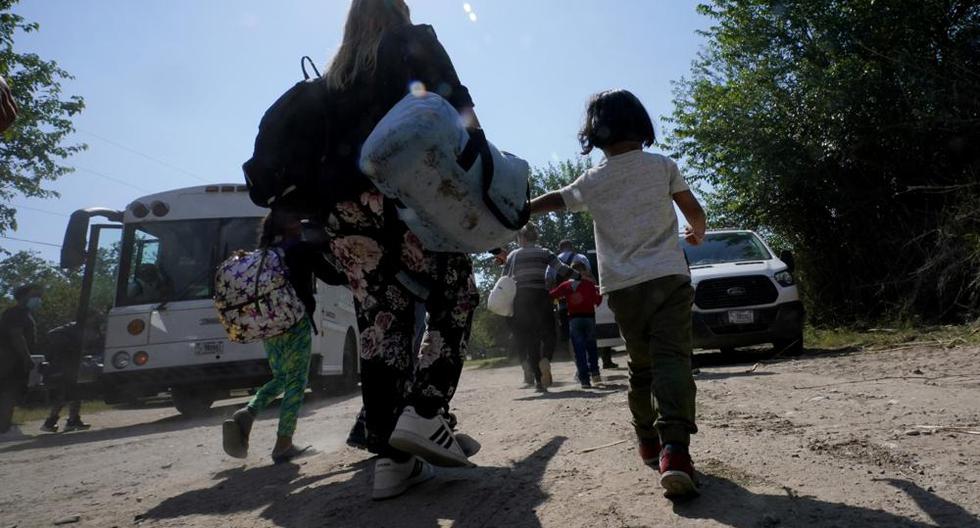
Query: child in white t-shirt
column 631, row 197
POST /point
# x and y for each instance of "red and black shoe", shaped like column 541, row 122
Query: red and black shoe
column 677, row 472
column 650, row 452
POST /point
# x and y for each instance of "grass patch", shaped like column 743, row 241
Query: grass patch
column 39, row 411
column 488, row 363
column 887, row 336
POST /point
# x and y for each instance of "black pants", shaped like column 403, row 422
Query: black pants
column 65, row 393
column 534, row 327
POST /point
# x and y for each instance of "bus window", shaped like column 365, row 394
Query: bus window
column 175, row 260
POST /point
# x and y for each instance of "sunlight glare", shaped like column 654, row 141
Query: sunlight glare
column 468, row 8
column 472, row 17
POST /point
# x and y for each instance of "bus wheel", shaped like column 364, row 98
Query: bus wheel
column 192, row 402
column 351, row 376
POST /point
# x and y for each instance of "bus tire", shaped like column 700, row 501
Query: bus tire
column 192, row 402
column 351, row 376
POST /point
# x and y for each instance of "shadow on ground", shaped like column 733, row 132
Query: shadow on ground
column 730, row 504
column 172, row 423
column 481, row 496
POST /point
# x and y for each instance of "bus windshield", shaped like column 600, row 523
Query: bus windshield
column 175, row 260
column 720, row 248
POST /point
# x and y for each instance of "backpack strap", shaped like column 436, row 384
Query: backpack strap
column 477, row 146
column 302, row 65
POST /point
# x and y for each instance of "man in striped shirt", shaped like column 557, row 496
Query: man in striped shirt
column 533, row 321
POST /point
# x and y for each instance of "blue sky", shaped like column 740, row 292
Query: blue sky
column 175, row 89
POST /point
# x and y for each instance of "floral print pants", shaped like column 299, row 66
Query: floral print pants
column 375, row 249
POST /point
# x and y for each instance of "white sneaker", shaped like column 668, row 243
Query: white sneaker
column 391, row 479
column 429, row 438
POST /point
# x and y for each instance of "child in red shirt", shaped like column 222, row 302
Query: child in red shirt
column 582, row 297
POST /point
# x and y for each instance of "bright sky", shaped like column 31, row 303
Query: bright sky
column 174, row 89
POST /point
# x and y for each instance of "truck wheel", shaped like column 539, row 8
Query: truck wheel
column 790, row 347
column 351, row 376
column 192, row 402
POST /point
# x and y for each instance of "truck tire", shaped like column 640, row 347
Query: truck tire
column 192, row 402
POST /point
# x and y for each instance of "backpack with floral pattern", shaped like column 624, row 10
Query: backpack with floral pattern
column 254, row 297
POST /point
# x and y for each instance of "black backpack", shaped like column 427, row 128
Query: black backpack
column 287, row 165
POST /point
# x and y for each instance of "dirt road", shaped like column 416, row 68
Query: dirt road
column 802, row 442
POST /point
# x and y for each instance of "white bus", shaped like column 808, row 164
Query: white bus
column 162, row 330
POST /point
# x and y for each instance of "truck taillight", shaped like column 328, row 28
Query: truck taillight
column 141, row 358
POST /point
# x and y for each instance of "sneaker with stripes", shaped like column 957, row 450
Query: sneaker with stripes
column 428, row 438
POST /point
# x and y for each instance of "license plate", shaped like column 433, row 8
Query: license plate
column 741, row 317
column 209, row 348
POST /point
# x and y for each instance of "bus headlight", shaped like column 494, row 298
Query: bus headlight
column 140, row 358
column 784, row 278
column 136, row 327
column 120, row 360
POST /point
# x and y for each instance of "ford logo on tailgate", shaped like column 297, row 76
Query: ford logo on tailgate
column 737, row 291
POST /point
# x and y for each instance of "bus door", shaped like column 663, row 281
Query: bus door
column 99, row 279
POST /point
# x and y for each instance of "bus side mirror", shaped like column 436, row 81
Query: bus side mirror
column 787, row 257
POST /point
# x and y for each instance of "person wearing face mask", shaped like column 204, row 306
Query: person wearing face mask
column 17, row 342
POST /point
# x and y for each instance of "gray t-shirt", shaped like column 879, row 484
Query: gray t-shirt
column 630, row 197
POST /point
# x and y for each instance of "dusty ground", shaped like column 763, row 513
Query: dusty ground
column 801, row 442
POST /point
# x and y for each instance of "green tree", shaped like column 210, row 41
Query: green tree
column 847, row 129
column 33, row 149
column 61, row 288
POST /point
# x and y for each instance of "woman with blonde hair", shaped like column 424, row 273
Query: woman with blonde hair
column 382, row 57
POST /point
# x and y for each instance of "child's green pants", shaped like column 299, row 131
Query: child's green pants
column 289, row 359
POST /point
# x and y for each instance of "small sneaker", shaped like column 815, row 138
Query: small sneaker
column 428, row 438
column 677, row 472
column 586, row 385
column 291, row 453
column 76, row 425
column 546, row 378
column 596, row 379
column 650, row 452
column 235, row 433
column 391, row 479
column 540, row 388
column 50, row 426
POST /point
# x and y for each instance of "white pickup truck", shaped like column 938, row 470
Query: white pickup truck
column 744, row 295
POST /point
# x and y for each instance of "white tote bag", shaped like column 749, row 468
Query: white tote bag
column 501, row 298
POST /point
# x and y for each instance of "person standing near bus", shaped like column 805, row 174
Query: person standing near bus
column 381, row 55
column 18, row 336
column 64, row 353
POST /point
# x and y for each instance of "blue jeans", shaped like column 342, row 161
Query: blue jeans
column 582, row 331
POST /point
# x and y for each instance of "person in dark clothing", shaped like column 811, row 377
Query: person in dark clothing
column 18, row 337
column 382, row 57
column 64, row 354
column 533, row 322
column 289, row 353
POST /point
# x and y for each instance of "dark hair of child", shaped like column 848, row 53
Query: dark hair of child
column 612, row 117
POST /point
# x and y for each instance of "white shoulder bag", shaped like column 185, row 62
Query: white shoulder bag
column 501, row 298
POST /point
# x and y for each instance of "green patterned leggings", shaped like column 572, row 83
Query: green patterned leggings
column 289, row 359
